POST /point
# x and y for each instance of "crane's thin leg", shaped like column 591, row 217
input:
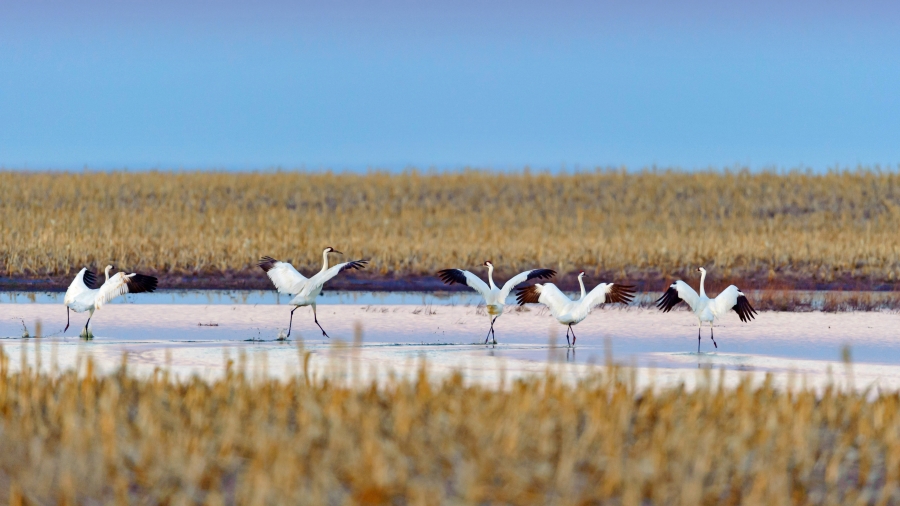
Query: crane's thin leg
column 568, row 329
column 711, row 336
column 87, row 326
column 491, row 331
column 68, row 312
column 573, row 336
column 698, row 337
column 291, row 322
column 317, row 323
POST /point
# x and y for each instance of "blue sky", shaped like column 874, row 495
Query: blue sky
column 350, row 84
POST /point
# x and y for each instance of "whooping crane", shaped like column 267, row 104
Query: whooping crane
column 289, row 281
column 704, row 308
column 494, row 297
column 83, row 295
column 570, row 312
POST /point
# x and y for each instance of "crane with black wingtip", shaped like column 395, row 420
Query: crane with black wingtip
column 706, row 309
column 494, row 296
column 83, row 293
column 288, row 280
column 571, row 312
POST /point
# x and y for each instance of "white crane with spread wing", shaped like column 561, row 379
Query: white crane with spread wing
column 289, row 281
column 706, row 309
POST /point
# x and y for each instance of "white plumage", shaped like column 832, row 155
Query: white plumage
column 494, row 296
column 82, row 295
column 706, row 309
column 289, row 281
column 571, row 312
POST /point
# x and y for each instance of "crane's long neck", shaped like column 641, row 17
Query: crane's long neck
column 581, row 282
column 324, row 260
column 106, row 271
column 702, row 284
column 491, row 276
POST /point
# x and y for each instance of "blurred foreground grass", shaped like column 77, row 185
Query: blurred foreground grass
column 70, row 438
column 647, row 225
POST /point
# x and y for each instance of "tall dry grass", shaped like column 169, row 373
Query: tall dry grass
column 644, row 225
column 82, row 439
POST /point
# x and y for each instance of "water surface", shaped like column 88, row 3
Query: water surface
column 196, row 336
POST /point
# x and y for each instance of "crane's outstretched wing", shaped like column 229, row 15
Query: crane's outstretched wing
column 733, row 299
column 677, row 292
column 320, row 278
column 523, row 277
column 120, row 284
column 609, row 293
column 462, row 277
column 283, row 275
column 547, row 294
column 84, row 282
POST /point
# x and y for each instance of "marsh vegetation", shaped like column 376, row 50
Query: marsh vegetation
column 785, row 230
column 75, row 438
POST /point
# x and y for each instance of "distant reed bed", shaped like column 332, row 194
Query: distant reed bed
column 646, row 225
column 68, row 438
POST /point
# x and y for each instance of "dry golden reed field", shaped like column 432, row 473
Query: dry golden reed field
column 798, row 229
column 79, row 438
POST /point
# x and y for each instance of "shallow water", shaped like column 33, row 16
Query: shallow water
column 194, row 338
column 805, row 299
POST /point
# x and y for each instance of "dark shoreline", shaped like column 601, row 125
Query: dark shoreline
column 644, row 282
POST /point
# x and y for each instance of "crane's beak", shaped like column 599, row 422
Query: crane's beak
column 336, row 251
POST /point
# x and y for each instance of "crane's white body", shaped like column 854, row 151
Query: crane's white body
column 289, row 281
column 705, row 309
column 493, row 295
column 80, row 297
column 570, row 312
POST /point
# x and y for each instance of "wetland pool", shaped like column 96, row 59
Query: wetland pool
column 384, row 333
